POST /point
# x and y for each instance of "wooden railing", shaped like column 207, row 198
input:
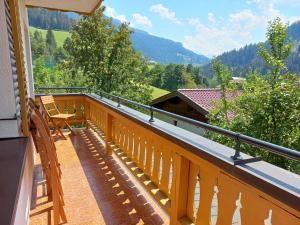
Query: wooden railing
column 72, row 103
column 193, row 179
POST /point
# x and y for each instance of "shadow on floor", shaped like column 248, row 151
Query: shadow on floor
column 118, row 198
column 40, row 203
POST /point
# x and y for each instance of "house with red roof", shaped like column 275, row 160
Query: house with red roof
column 192, row 103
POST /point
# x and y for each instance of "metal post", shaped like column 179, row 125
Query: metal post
column 151, row 120
column 237, row 148
column 119, row 105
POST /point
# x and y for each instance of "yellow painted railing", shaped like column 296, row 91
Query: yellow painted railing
column 191, row 177
column 72, row 103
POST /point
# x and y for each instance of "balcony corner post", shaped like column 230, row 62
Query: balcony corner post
column 86, row 112
column 108, row 133
column 180, row 189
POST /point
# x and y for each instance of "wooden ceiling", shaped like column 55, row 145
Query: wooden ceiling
column 86, row 7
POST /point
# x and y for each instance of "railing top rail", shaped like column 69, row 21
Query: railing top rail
column 239, row 138
column 61, row 88
column 276, row 149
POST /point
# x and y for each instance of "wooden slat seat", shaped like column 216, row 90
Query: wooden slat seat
column 63, row 116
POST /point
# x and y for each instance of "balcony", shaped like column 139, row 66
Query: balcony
column 98, row 190
column 125, row 169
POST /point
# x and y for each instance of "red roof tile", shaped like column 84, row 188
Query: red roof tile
column 206, row 98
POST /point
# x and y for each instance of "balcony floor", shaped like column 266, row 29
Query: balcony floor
column 97, row 188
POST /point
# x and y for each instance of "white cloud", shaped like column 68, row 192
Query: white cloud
column 111, row 12
column 268, row 10
column 209, row 41
column 165, row 13
column 231, row 33
column 285, row 2
column 211, row 18
column 291, row 2
column 293, row 19
column 141, row 20
column 244, row 19
column 236, row 30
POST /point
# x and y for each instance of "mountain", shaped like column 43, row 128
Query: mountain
column 246, row 59
column 154, row 48
column 164, row 50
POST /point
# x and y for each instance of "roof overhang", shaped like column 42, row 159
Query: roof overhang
column 174, row 94
column 85, row 7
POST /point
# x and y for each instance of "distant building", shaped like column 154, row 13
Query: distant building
column 192, row 103
column 238, row 79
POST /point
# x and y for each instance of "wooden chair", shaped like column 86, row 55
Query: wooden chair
column 46, row 148
column 58, row 120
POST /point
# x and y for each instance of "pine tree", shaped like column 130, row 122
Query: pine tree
column 50, row 42
column 37, row 45
column 50, row 48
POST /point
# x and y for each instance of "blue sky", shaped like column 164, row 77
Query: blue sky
column 208, row 27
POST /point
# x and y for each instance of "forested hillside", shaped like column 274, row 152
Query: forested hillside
column 46, row 19
column 246, row 59
column 154, row 48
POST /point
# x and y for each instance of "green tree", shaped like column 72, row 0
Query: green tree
column 155, row 75
column 173, row 78
column 224, row 78
column 37, row 45
column 188, row 81
column 50, row 49
column 104, row 54
column 269, row 108
column 62, row 75
column 50, row 42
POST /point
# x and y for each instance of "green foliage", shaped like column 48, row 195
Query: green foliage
column 172, row 77
column 105, row 55
column 224, row 78
column 50, row 42
column 37, row 45
column 46, row 48
column 155, row 75
column 58, row 76
column 279, row 50
column 269, row 108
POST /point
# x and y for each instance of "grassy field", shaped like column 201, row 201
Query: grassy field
column 157, row 92
column 60, row 36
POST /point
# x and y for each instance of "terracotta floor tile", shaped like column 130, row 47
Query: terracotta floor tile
column 97, row 190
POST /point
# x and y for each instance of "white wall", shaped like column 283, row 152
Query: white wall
column 181, row 124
